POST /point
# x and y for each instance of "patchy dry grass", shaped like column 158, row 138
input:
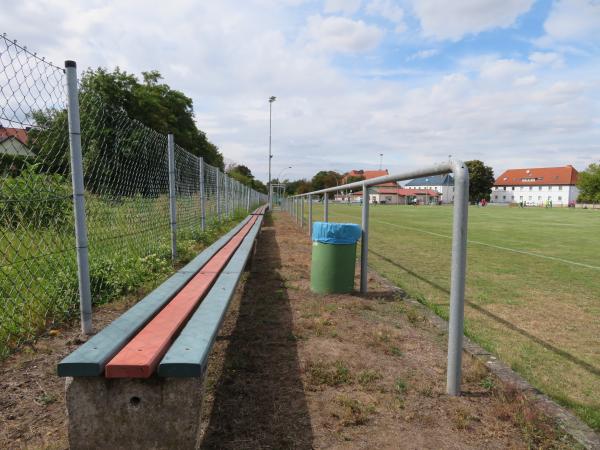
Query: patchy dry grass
column 533, row 297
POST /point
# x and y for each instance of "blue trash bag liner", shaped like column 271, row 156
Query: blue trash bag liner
column 336, row 233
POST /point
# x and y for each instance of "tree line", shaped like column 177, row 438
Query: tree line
column 481, row 179
column 122, row 118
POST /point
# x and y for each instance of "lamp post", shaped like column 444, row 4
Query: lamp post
column 271, row 100
column 380, row 160
column 279, row 184
column 281, row 173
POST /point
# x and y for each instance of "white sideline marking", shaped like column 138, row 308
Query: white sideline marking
column 508, row 249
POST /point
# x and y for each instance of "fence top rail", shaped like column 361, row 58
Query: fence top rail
column 457, row 167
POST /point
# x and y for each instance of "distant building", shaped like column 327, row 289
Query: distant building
column 442, row 184
column 399, row 196
column 537, row 186
column 13, row 142
column 365, row 175
column 353, row 175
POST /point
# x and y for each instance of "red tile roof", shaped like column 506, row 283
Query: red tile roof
column 566, row 175
column 367, row 175
column 402, row 192
column 19, row 133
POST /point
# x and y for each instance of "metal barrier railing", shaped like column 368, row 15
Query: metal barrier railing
column 295, row 206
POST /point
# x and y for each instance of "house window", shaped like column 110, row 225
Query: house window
column 530, row 198
column 530, row 188
column 560, row 188
column 504, row 188
column 504, row 197
column 495, row 197
column 539, row 198
column 539, row 188
column 513, row 188
column 559, row 198
column 521, row 198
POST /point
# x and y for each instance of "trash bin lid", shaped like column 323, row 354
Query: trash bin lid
column 336, row 233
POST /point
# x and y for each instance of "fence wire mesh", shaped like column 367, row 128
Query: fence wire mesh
column 126, row 178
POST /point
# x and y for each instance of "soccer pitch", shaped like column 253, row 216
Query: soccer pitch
column 533, row 285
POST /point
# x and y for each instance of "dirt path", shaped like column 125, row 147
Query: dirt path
column 294, row 370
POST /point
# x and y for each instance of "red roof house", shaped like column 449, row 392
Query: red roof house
column 541, row 176
column 19, row 133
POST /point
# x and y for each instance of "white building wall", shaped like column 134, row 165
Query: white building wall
column 535, row 195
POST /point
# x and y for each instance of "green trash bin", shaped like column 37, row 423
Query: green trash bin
column 333, row 257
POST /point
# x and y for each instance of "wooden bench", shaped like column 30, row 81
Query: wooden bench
column 138, row 382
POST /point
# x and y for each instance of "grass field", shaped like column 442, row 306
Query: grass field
column 533, row 285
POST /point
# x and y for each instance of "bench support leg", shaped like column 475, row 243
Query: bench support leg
column 133, row 413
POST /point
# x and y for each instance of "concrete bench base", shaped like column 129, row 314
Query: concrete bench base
column 152, row 413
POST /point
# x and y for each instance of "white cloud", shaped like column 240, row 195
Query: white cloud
column 442, row 19
column 551, row 59
column 424, row 54
column 574, row 20
column 389, row 10
column 342, row 34
column 492, row 107
column 343, row 6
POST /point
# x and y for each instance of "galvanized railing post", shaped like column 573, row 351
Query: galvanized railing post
column 310, row 218
column 81, row 239
column 457, row 277
column 326, row 207
column 364, row 244
column 202, row 195
column 301, row 212
column 218, row 196
column 249, row 193
column 172, row 195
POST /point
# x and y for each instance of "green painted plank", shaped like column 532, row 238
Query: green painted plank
column 188, row 355
column 90, row 358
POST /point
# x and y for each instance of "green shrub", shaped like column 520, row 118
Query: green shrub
column 35, row 200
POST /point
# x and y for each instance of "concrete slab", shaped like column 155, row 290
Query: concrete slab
column 152, row 413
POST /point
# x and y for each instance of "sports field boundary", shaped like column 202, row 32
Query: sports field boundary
column 568, row 421
column 469, row 241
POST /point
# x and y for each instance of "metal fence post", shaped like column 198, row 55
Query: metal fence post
column 202, row 195
column 326, row 207
column 226, row 188
column 248, row 200
column 301, row 212
column 310, row 218
column 364, row 244
column 457, row 277
column 81, row 239
column 172, row 197
column 218, row 196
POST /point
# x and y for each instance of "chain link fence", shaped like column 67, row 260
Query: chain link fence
column 126, row 180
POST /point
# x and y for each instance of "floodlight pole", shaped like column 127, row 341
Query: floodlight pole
column 271, row 100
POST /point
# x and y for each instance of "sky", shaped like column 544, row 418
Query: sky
column 515, row 83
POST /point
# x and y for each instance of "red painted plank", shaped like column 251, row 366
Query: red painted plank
column 139, row 358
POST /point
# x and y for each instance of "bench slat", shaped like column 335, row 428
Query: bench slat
column 141, row 355
column 90, row 358
column 188, row 355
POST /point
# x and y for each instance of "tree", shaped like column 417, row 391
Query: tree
column 588, row 183
column 325, row 179
column 481, row 180
column 154, row 104
column 298, row 187
column 354, row 179
column 244, row 175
